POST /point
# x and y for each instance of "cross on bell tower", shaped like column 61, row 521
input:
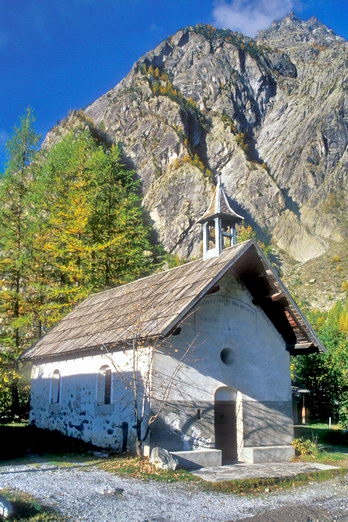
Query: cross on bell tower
column 219, row 224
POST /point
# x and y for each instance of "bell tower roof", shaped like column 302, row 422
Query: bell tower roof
column 219, row 224
column 220, row 207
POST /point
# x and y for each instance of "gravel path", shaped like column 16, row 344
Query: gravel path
column 74, row 492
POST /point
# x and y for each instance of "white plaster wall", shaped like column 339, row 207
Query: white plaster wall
column 78, row 413
column 226, row 319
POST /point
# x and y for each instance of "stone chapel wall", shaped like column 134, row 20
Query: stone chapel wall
column 257, row 369
column 80, row 412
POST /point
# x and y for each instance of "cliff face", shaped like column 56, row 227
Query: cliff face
column 270, row 114
column 305, row 136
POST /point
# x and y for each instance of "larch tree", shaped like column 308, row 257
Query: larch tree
column 63, row 192
column 91, row 230
column 15, row 256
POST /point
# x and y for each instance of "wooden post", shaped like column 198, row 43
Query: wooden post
column 234, row 235
column 303, row 415
column 218, row 236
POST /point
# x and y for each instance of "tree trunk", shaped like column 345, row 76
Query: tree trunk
column 139, row 442
column 139, row 448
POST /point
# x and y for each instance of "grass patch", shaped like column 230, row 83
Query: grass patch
column 322, row 426
column 322, row 435
column 331, row 458
column 142, row 469
column 27, row 507
column 68, row 461
column 56, row 461
column 267, row 485
column 321, row 445
column 22, row 424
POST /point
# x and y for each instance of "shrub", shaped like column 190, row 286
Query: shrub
column 161, row 85
column 334, row 203
column 245, row 232
column 307, row 447
column 208, row 173
column 319, row 47
column 229, row 122
column 265, row 166
column 240, row 139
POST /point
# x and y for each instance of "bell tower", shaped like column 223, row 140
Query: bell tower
column 219, row 224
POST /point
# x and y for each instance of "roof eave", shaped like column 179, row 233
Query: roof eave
column 91, row 350
column 313, row 337
column 236, row 218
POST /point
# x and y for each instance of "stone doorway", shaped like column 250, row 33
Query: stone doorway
column 226, row 424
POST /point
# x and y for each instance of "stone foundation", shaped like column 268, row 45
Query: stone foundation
column 265, row 454
column 196, row 459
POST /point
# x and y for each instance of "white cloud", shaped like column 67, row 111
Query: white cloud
column 154, row 28
column 250, row 16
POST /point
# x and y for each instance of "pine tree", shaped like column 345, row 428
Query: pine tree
column 64, row 192
column 15, row 258
column 121, row 236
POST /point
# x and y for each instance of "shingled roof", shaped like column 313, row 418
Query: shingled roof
column 153, row 306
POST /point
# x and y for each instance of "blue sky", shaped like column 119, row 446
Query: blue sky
column 58, row 55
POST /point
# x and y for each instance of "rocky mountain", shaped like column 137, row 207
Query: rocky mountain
column 269, row 114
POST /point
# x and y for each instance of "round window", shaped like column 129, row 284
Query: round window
column 227, row 356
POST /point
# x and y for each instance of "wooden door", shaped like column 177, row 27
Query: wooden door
column 226, row 430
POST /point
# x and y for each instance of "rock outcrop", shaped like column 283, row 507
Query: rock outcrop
column 269, row 114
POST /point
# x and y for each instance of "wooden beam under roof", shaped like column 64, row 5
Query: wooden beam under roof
column 301, row 348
